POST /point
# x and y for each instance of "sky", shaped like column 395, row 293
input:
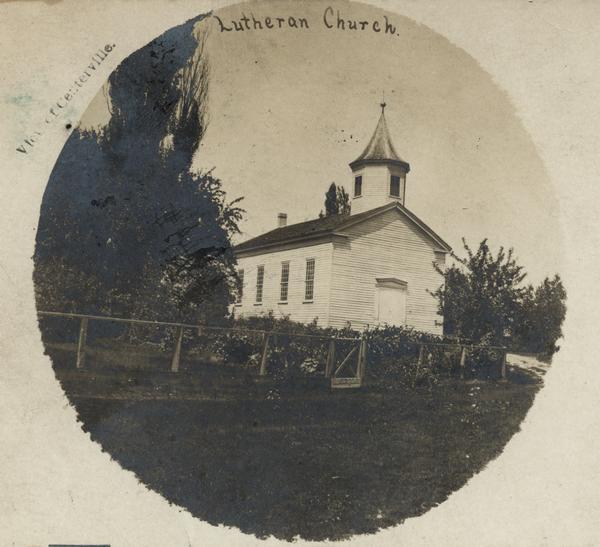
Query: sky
column 291, row 108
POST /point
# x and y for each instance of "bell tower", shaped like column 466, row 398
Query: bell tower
column 378, row 174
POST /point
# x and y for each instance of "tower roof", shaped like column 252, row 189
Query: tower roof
column 380, row 148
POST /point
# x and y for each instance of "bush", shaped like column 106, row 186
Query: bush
column 297, row 349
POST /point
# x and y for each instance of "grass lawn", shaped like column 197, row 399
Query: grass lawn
column 300, row 461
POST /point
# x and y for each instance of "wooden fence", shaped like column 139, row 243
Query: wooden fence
column 465, row 349
column 333, row 370
column 349, row 372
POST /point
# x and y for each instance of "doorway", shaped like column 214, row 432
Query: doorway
column 390, row 301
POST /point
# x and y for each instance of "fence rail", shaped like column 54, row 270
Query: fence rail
column 181, row 327
column 331, row 370
column 149, row 322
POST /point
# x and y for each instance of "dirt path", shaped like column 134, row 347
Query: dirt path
column 528, row 363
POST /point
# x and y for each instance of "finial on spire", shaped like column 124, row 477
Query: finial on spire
column 382, row 104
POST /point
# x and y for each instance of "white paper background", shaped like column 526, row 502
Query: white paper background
column 58, row 487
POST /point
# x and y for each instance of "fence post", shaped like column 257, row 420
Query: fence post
column 463, row 359
column 503, row 366
column 359, row 358
column 362, row 358
column 421, row 350
column 265, row 355
column 177, row 352
column 81, row 343
column 330, row 359
column 419, row 363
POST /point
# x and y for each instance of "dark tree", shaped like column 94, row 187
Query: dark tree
column 331, row 200
column 542, row 314
column 343, row 200
column 337, row 201
column 139, row 233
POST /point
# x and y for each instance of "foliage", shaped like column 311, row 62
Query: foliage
column 300, row 349
column 393, row 354
column 291, row 349
column 126, row 228
column 483, row 300
column 542, row 314
column 337, row 201
column 481, row 295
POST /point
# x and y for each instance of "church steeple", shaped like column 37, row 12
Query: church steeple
column 380, row 148
column 379, row 172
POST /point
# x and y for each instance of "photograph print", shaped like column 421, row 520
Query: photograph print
column 288, row 268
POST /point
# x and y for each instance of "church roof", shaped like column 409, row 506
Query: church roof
column 329, row 225
column 380, row 148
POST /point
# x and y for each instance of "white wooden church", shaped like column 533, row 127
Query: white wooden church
column 369, row 268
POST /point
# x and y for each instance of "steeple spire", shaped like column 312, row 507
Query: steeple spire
column 379, row 173
column 380, row 148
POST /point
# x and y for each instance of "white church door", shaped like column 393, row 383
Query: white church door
column 391, row 295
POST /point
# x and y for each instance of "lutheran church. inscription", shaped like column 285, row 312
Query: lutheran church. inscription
column 331, row 19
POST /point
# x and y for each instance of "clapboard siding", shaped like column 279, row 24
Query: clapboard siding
column 385, row 246
column 296, row 307
column 376, row 187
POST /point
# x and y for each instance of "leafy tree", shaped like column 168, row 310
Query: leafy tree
column 481, row 296
column 483, row 300
column 542, row 314
column 337, row 201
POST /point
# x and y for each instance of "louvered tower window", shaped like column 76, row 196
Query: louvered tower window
column 358, row 186
column 395, row 186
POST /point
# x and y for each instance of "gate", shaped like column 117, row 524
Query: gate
column 350, row 372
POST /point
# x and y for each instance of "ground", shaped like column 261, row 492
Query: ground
column 529, row 364
column 297, row 459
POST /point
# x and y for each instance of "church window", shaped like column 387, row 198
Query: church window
column 260, row 278
column 240, row 293
column 357, row 186
column 395, row 186
column 285, row 279
column 309, row 285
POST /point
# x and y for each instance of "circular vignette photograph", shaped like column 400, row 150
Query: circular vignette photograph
column 288, row 270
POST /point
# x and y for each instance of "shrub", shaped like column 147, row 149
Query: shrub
column 301, row 349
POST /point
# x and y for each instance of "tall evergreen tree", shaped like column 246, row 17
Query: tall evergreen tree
column 331, row 205
column 343, row 201
column 337, row 201
column 123, row 207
